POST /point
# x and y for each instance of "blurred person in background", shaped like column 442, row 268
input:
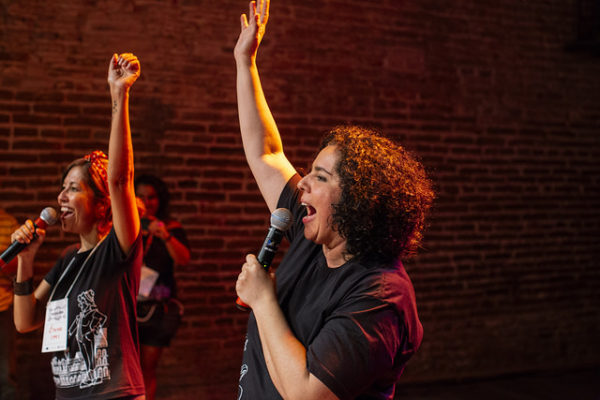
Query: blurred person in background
column 8, row 224
column 165, row 248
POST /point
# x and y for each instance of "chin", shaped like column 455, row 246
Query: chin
column 307, row 236
column 313, row 238
column 65, row 227
column 68, row 228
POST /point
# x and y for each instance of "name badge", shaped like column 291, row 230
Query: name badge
column 147, row 281
column 56, row 326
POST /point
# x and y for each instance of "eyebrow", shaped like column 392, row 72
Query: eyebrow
column 321, row 169
column 69, row 183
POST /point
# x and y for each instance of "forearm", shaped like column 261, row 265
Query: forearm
column 27, row 311
column 285, row 356
column 120, row 148
column 178, row 252
column 260, row 136
column 24, row 268
column 120, row 171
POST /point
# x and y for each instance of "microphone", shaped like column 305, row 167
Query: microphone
column 281, row 220
column 47, row 217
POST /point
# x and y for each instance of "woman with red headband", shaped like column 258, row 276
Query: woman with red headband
column 89, row 297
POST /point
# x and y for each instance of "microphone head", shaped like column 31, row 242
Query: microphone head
column 49, row 215
column 282, row 219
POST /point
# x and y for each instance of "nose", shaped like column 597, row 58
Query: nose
column 303, row 184
column 61, row 196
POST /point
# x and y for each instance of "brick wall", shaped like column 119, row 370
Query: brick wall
column 484, row 92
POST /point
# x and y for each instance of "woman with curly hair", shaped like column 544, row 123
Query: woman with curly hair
column 341, row 321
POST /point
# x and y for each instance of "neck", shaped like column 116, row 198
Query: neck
column 335, row 255
column 90, row 239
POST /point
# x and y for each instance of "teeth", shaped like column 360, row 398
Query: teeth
column 310, row 210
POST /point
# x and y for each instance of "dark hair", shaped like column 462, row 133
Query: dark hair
column 385, row 195
column 99, row 185
column 162, row 191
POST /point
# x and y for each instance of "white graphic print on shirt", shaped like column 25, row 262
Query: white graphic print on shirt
column 89, row 366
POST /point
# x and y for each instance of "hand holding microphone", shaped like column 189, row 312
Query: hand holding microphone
column 26, row 234
column 281, row 220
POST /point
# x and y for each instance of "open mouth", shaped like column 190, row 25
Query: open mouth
column 65, row 212
column 310, row 212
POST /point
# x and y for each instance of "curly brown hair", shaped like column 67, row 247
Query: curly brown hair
column 385, row 195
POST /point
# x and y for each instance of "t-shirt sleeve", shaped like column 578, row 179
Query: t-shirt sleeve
column 179, row 234
column 113, row 254
column 358, row 344
column 290, row 199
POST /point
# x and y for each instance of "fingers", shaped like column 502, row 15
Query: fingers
column 113, row 62
column 158, row 228
column 250, row 265
column 251, row 10
column 124, row 62
column 247, row 271
column 243, row 21
column 25, row 233
column 264, row 12
column 129, row 62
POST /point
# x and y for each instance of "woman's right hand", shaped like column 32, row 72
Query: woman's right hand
column 252, row 31
column 28, row 234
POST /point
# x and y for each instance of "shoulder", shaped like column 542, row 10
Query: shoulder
column 110, row 248
column 384, row 283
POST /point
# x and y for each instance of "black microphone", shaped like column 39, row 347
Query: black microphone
column 47, row 217
column 281, row 220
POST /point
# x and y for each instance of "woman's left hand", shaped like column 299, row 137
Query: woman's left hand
column 123, row 71
column 254, row 284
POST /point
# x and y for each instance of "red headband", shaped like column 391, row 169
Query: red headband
column 98, row 172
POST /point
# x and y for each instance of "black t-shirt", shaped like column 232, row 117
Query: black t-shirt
column 157, row 257
column 359, row 323
column 102, row 359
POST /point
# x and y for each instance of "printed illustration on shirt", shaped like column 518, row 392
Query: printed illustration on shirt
column 89, row 366
column 243, row 372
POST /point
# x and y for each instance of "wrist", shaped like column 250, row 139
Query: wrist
column 119, row 93
column 244, row 61
column 265, row 304
column 24, row 288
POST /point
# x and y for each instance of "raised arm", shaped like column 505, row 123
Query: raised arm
column 260, row 136
column 123, row 71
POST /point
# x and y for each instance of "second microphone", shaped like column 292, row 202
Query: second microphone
column 281, row 220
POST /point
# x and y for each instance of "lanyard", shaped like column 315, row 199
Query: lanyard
column 78, row 273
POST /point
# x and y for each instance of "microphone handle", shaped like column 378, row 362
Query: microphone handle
column 11, row 252
column 269, row 247
column 265, row 257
